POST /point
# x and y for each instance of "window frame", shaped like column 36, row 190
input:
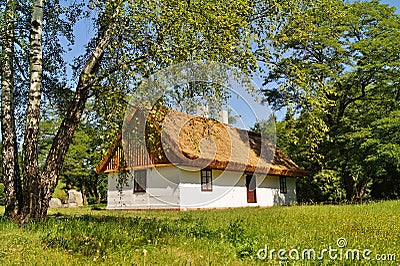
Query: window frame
column 140, row 185
column 206, row 180
column 282, row 184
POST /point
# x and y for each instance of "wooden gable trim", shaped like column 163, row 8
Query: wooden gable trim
column 102, row 166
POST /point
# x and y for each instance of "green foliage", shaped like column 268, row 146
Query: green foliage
column 153, row 35
column 330, row 185
column 146, row 36
column 266, row 128
column 86, row 237
column 325, row 186
column 123, row 178
column 82, row 157
column 335, row 66
column 60, row 192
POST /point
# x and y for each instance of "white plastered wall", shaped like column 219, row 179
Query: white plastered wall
column 162, row 191
column 171, row 187
column 229, row 190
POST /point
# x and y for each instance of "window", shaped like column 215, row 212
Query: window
column 282, row 181
column 140, row 181
column 206, row 180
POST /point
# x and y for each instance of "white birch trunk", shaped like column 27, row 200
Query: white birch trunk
column 10, row 171
column 30, row 146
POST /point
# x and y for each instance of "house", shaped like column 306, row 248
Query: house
column 195, row 163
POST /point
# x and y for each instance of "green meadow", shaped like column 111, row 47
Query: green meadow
column 94, row 236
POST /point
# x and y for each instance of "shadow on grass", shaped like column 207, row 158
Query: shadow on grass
column 100, row 235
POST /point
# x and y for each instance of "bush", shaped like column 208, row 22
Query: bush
column 326, row 186
column 92, row 200
column 330, row 185
column 59, row 192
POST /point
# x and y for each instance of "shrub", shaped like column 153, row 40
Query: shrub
column 330, row 186
column 59, row 192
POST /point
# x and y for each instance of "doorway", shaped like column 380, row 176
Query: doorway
column 251, row 188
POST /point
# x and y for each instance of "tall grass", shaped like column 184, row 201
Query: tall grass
column 83, row 236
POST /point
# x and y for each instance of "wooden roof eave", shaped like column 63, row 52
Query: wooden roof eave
column 102, row 166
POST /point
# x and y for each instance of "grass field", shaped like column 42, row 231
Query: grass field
column 83, row 236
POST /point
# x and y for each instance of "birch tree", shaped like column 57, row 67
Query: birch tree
column 30, row 168
column 133, row 39
column 9, row 151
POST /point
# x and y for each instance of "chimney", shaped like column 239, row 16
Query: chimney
column 223, row 117
column 202, row 110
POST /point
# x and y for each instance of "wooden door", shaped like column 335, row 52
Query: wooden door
column 251, row 188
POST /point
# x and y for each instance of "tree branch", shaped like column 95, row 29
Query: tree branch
column 63, row 138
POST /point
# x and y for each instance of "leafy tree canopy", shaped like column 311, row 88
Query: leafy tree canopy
column 335, row 66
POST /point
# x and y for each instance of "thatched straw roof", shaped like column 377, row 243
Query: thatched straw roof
column 186, row 140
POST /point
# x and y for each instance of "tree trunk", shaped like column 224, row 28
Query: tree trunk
column 361, row 189
column 349, row 186
column 30, row 146
column 9, row 151
column 83, row 190
column 63, row 138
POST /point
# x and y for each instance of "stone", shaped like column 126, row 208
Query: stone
column 74, row 198
column 55, row 203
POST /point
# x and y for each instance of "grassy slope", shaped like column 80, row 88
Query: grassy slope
column 228, row 237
